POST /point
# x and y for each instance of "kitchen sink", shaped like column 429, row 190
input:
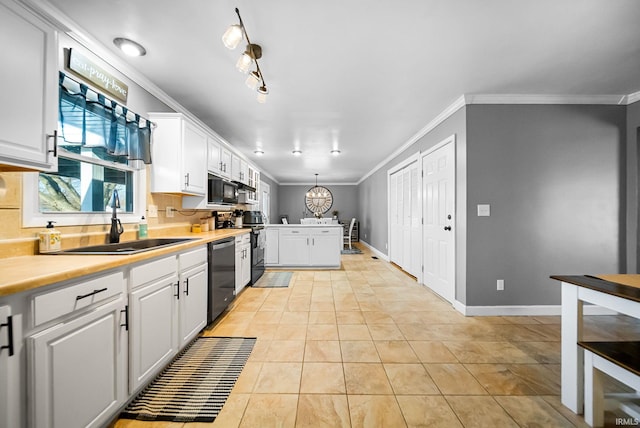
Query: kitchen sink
column 131, row 247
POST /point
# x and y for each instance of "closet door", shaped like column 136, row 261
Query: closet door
column 395, row 247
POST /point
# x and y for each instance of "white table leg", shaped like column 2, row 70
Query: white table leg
column 593, row 392
column 572, row 369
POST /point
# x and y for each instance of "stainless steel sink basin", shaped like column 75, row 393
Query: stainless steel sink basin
column 131, row 247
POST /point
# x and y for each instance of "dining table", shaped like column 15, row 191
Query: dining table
column 617, row 292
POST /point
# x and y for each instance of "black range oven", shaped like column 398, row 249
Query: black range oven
column 254, row 220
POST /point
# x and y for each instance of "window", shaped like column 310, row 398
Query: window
column 100, row 149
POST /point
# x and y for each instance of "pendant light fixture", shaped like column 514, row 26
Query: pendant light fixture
column 231, row 39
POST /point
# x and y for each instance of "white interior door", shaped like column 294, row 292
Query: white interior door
column 439, row 210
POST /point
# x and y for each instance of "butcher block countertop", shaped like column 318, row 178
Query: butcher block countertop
column 626, row 286
column 30, row 272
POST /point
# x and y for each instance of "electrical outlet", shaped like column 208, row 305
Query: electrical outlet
column 500, row 284
column 152, row 211
column 169, row 211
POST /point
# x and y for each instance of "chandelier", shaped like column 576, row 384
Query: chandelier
column 252, row 53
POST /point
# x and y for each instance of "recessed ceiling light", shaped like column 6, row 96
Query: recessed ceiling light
column 129, row 47
column 258, row 152
column 297, row 152
column 335, row 152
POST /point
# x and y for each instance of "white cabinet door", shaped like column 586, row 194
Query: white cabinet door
column 246, row 266
column 294, row 247
column 243, row 262
column 29, row 88
column 225, row 163
column 78, row 369
column 325, row 247
column 152, row 329
column 10, row 408
column 179, row 153
column 244, row 172
column 236, row 172
column 213, row 156
column 194, row 158
column 193, row 303
column 271, row 247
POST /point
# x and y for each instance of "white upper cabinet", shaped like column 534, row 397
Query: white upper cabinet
column 219, row 158
column 29, row 83
column 179, row 153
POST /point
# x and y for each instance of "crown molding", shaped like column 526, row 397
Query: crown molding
column 545, row 99
column 444, row 115
column 632, row 98
column 511, row 99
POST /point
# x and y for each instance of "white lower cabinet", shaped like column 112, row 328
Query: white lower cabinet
column 77, row 365
column 306, row 246
column 168, row 308
column 193, row 298
column 10, row 370
column 243, row 261
column 271, row 247
column 153, row 322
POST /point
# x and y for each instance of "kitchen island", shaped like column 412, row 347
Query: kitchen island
column 303, row 245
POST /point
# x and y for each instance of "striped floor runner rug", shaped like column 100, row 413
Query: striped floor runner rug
column 196, row 384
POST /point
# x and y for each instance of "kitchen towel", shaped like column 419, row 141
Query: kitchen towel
column 196, row 384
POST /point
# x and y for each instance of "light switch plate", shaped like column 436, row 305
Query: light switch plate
column 484, row 210
column 152, row 211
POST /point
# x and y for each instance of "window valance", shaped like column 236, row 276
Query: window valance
column 91, row 120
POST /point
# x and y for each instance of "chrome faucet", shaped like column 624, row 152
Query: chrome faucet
column 116, row 226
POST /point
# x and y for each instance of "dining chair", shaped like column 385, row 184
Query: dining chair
column 347, row 238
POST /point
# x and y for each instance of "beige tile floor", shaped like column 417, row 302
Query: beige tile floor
column 365, row 346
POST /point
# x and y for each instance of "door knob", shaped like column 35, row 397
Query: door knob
column 447, row 228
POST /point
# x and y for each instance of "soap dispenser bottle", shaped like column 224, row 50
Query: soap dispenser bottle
column 50, row 239
column 142, row 228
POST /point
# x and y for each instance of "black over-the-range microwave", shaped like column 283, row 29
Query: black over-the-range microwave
column 221, row 191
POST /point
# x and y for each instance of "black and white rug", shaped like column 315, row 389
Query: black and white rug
column 196, row 384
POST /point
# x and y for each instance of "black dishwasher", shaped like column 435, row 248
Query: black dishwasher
column 222, row 276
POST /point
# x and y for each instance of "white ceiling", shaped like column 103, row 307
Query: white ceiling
column 364, row 76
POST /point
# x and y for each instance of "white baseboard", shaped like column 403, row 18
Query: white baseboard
column 375, row 251
column 525, row 310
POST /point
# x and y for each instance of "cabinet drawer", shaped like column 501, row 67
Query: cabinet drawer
column 63, row 301
column 243, row 239
column 153, row 270
column 192, row 258
column 334, row 231
column 293, row 232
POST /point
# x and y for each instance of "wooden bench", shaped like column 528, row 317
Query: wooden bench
column 620, row 360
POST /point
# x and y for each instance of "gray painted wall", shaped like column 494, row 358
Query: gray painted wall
column 633, row 186
column 291, row 202
column 554, row 178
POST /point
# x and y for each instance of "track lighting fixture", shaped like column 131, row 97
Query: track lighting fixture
column 231, row 39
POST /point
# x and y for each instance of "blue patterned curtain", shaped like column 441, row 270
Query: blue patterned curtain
column 102, row 123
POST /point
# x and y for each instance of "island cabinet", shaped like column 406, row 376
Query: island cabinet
column 29, row 88
column 306, row 246
column 179, row 153
column 77, row 363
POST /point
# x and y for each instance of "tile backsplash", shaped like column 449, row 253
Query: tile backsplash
column 16, row 240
